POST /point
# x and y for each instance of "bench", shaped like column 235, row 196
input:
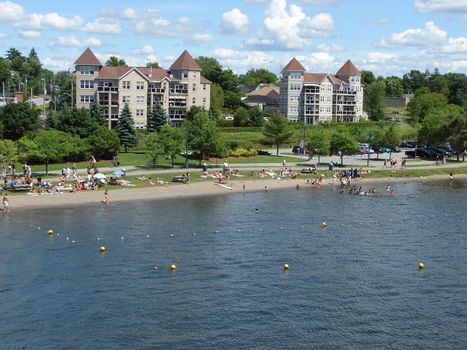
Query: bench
column 21, row 187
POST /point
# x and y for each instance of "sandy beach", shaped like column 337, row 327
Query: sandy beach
column 185, row 190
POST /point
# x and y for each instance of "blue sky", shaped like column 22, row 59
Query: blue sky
column 388, row 37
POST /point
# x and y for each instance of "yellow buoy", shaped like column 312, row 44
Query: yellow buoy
column 102, row 249
column 50, row 232
column 421, row 266
column 324, row 225
column 286, row 267
column 173, row 267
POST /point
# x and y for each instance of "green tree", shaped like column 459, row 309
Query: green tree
column 152, row 65
column 78, row 122
column 95, row 111
column 54, row 146
column 63, row 93
column 27, row 149
column 254, row 77
column 217, row 100
column 277, row 130
column 114, row 61
column 5, row 74
column 394, row 87
column 7, row 152
column 392, row 138
column 378, row 141
column 203, row 136
column 232, row 100
column 103, row 143
column 367, row 77
column 194, row 110
column 210, row 68
column 457, row 84
column 153, row 147
column 241, row 117
column 18, row 119
column 414, row 80
column 439, row 84
column 373, row 100
column 156, row 118
column 318, row 143
column 456, row 130
column 344, row 143
column 256, row 117
column 425, row 102
column 171, row 140
column 431, row 132
column 126, row 128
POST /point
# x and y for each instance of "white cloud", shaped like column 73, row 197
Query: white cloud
column 322, row 2
column 240, row 61
column 330, row 48
column 203, row 37
column 455, row 45
column 441, row 5
column 428, row 35
column 290, row 28
column 151, row 58
column 57, row 64
column 151, row 23
column 10, row 12
column 49, row 20
column 103, row 25
column 317, row 61
column 234, row 21
column 130, row 13
column 459, row 66
column 145, row 50
column 73, row 41
column 29, row 34
column 375, row 57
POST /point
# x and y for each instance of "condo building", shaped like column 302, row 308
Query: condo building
column 176, row 89
column 313, row 98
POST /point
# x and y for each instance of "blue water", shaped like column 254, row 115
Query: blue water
column 355, row 285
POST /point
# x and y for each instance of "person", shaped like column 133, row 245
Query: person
column 265, row 188
column 106, row 196
column 297, row 187
column 5, row 203
column 284, row 164
column 404, row 163
column 451, row 177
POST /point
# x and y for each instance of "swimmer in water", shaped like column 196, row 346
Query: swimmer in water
column 451, row 177
column 257, row 210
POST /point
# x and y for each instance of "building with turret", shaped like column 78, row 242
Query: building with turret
column 313, row 98
column 176, row 89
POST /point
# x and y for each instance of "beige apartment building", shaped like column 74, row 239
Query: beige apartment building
column 176, row 89
column 313, row 98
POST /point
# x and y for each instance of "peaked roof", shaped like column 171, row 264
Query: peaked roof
column 348, row 69
column 88, row 57
column 185, row 61
column 293, row 66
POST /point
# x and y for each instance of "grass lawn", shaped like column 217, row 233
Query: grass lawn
column 414, row 172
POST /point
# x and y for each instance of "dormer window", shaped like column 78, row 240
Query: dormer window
column 185, row 75
column 86, row 70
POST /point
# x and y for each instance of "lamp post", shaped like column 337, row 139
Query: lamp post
column 187, row 135
column 369, row 138
column 44, row 90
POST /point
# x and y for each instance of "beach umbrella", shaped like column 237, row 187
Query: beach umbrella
column 119, row 173
column 99, row 176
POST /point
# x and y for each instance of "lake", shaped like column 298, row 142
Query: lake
column 354, row 285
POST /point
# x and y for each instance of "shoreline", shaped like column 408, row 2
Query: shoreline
column 197, row 189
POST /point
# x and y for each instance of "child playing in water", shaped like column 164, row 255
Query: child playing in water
column 5, row 203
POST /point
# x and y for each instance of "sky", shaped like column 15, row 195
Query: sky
column 388, row 37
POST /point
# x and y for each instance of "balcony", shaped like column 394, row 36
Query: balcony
column 156, row 90
column 179, row 91
column 107, row 102
column 346, row 102
column 180, row 104
column 107, row 89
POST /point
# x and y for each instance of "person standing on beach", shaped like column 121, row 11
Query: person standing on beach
column 5, row 203
column 106, row 196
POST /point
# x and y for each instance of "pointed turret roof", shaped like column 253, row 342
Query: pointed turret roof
column 293, row 66
column 348, row 69
column 185, row 61
column 88, row 57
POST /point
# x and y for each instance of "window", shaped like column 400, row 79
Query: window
column 321, row 98
column 204, row 86
column 194, row 100
column 294, row 98
column 86, row 98
column 86, row 84
column 293, row 109
column 329, row 98
column 86, row 70
column 328, row 109
column 126, row 84
column 329, row 87
column 140, row 85
column 126, row 99
column 185, row 75
column 194, row 75
column 295, row 87
column 140, row 112
column 321, row 109
column 204, row 99
column 139, row 99
column 295, row 75
column 194, row 87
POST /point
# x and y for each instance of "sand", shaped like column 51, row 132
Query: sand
column 207, row 188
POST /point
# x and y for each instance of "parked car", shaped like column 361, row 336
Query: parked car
column 408, row 144
column 385, row 150
column 417, row 152
column 395, row 149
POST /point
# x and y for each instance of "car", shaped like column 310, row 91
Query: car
column 395, row 149
column 408, row 144
column 384, row 150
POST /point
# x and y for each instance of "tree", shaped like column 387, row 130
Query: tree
column 414, row 80
column 457, row 132
column 153, row 147
column 254, row 77
column 77, row 122
column 392, row 138
column 394, row 87
column 457, row 84
column 277, row 130
column 95, row 111
column 5, row 75
column 194, row 110
column 439, row 84
column 344, row 143
column 241, row 117
column 378, row 141
column 210, row 68
column 232, row 100
column 54, row 146
column 217, row 100
column 425, row 102
column 114, row 61
column 203, row 136
column 27, row 149
column 103, row 143
column 7, row 152
column 318, row 143
column 152, row 65
column 126, row 128
column 256, row 117
column 156, row 118
column 373, row 100
column 171, row 141
column 431, row 132
column 367, row 77
column 62, row 93
column 18, row 119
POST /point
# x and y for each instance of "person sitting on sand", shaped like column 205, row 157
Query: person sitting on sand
column 151, row 182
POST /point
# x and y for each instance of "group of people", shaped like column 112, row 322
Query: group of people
column 392, row 163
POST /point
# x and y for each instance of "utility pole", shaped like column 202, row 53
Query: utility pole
column 4, row 100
